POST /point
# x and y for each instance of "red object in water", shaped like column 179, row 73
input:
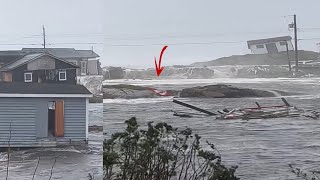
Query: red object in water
column 160, row 92
column 158, row 67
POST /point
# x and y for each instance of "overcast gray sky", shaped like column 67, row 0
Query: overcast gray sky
column 71, row 21
column 137, row 30
column 133, row 32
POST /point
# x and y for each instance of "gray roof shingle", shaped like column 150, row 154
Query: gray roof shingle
column 28, row 58
column 87, row 53
column 41, row 88
column 9, row 56
column 63, row 52
column 20, row 61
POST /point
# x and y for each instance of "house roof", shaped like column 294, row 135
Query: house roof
column 9, row 56
column 87, row 53
column 63, row 52
column 268, row 40
column 21, row 89
column 28, row 58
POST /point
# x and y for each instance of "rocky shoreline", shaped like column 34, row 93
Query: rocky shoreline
column 124, row 91
column 96, row 99
column 130, row 92
column 94, row 85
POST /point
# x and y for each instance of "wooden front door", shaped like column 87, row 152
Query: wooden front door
column 59, row 119
column 7, row 77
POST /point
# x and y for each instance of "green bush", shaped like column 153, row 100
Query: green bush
column 161, row 152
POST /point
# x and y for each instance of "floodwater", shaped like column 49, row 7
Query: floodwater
column 72, row 162
column 262, row 149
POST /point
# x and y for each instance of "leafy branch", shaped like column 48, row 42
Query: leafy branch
column 161, row 152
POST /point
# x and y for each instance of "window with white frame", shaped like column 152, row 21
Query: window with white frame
column 259, row 46
column 28, row 77
column 283, row 43
column 62, row 75
column 83, row 68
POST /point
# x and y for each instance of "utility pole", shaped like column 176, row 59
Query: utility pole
column 44, row 37
column 91, row 50
column 295, row 43
column 289, row 63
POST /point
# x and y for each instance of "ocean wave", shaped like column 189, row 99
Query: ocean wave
column 142, row 82
column 137, row 101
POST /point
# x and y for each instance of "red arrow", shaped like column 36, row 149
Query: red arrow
column 158, row 67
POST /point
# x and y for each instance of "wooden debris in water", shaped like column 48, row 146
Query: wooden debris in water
column 269, row 112
column 259, row 112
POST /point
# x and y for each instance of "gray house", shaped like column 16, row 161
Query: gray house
column 79, row 57
column 270, row 45
column 43, row 114
column 87, row 60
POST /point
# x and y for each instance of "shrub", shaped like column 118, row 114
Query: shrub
column 161, row 152
column 313, row 175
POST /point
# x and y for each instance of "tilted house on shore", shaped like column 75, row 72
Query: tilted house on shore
column 41, row 103
column 270, row 45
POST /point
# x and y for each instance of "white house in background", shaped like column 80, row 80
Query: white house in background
column 270, row 45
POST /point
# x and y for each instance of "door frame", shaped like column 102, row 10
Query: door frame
column 83, row 66
column 59, row 118
column 272, row 46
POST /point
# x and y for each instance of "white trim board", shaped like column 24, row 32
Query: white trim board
column 87, row 119
column 45, row 95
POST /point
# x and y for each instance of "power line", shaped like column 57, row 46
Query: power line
column 20, row 44
column 175, row 44
column 93, row 43
column 189, row 36
column 311, row 28
column 308, row 39
column 130, row 45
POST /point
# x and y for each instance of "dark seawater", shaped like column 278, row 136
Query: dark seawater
column 72, row 162
column 262, row 149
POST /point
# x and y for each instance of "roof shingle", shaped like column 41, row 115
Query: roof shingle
column 63, row 52
column 41, row 88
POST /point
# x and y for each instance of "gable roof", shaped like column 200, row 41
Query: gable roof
column 29, row 58
column 9, row 56
column 63, row 52
column 87, row 53
column 21, row 89
column 268, row 40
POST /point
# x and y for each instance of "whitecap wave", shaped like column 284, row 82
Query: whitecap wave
column 141, row 82
column 137, row 101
